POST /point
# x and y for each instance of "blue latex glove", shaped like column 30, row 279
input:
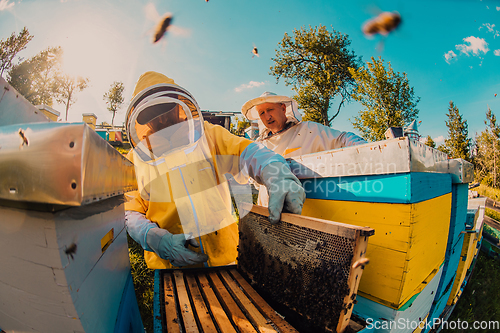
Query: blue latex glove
column 285, row 190
column 174, row 247
column 164, row 244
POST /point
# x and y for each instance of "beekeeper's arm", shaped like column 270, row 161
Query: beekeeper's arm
column 155, row 239
column 272, row 170
column 263, row 165
column 332, row 138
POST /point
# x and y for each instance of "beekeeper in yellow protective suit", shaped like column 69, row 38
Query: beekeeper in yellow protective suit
column 282, row 130
column 182, row 212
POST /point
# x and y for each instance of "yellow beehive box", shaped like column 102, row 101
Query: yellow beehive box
column 408, row 246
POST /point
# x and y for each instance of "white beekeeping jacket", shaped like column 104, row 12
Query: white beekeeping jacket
column 305, row 138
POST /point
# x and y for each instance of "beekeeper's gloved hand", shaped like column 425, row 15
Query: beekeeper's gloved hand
column 285, row 190
column 163, row 243
column 174, row 247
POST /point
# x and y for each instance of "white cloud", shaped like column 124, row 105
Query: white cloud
column 450, row 56
column 497, row 52
column 250, row 85
column 491, row 28
column 4, row 4
column 439, row 140
column 498, row 8
column 475, row 46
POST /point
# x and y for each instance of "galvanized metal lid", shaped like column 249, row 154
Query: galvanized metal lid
column 60, row 163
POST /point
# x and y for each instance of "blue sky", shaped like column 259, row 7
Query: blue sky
column 450, row 50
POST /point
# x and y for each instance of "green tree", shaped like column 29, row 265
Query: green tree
column 429, row 142
column 316, row 62
column 444, row 149
column 240, row 127
column 387, row 96
column 487, row 152
column 458, row 143
column 66, row 87
column 36, row 78
column 114, row 98
column 10, row 47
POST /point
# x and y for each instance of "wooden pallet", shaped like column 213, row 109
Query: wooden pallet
column 215, row 300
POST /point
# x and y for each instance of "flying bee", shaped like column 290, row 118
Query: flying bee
column 162, row 24
column 23, row 137
column 162, row 27
column 382, row 24
column 71, row 250
column 255, row 51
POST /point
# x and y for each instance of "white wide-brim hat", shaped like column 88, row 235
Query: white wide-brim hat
column 250, row 112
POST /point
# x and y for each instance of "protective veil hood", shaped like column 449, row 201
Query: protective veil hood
column 250, row 112
column 157, row 104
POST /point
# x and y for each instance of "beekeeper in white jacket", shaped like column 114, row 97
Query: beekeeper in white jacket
column 282, row 130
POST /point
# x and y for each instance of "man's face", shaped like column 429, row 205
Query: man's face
column 273, row 115
column 173, row 117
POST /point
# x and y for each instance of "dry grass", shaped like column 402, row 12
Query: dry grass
column 489, row 192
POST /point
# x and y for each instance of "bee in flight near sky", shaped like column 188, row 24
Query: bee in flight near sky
column 255, row 52
column 382, row 24
column 162, row 24
column 162, row 27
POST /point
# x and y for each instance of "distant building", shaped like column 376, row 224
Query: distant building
column 52, row 114
column 115, row 135
column 90, row 119
column 222, row 118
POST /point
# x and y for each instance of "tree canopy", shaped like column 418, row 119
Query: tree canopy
column 316, row 63
column 10, row 47
column 429, row 142
column 66, row 87
column 487, row 152
column 114, row 98
column 35, row 77
column 458, row 142
column 240, row 127
column 40, row 79
column 388, row 99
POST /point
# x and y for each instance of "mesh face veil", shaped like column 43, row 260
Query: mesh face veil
column 173, row 161
column 249, row 109
column 163, row 117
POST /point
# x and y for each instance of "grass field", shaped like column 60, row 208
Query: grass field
column 143, row 283
column 487, row 191
column 479, row 302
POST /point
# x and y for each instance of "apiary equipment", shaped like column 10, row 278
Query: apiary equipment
column 216, row 299
column 415, row 197
column 64, row 264
column 310, row 265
